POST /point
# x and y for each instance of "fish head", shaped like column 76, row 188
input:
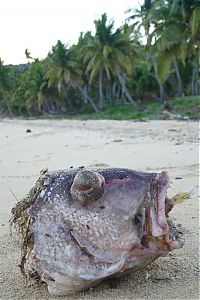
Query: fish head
column 91, row 223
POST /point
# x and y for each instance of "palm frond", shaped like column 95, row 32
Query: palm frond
column 94, row 71
column 164, row 63
column 67, row 76
column 106, row 51
column 195, row 23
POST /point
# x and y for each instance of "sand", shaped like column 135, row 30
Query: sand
column 148, row 146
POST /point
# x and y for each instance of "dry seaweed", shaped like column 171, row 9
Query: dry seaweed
column 21, row 220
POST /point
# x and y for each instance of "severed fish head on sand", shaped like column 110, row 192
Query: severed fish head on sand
column 80, row 226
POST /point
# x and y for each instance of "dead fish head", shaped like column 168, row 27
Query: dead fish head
column 91, row 223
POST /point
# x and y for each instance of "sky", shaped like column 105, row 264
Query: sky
column 37, row 25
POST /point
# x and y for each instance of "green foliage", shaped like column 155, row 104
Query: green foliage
column 164, row 62
column 4, row 76
column 187, row 106
column 61, row 66
column 111, row 67
column 143, row 82
column 108, row 50
column 180, row 107
column 5, row 86
column 29, row 89
column 195, row 23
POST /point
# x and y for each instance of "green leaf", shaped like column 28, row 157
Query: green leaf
column 67, row 76
column 107, row 72
column 94, row 71
column 60, row 73
column 41, row 99
column 196, row 23
column 164, row 63
column 106, row 51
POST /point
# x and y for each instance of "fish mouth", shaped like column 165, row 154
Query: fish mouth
column 158, row 228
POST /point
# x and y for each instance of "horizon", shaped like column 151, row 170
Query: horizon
column 34, row 30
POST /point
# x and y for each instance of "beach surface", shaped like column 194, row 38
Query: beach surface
column 149, row 146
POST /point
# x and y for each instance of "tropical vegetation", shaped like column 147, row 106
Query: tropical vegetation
column 153, row 58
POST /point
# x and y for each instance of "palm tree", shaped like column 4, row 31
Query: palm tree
column 173, row 30
column 191, row 44
column 36, row 92
column 109, row 55
column 147, row 18
column 64, row 70
column 30, row 91
column 168, row 36
column 84, row 39
column 179, row 38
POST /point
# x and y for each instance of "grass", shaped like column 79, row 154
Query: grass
column 185, row 107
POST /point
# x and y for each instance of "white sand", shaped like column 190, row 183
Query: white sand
column 148, row 146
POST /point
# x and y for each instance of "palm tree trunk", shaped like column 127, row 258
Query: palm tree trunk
column 65, row 90
column 8, row 107
column 100, row 89
column 89, row 98
column 161, row 88
column 195, row 75
column 195, row 81
column 125, row 90
column 85, row 88
column 110, row 92
column 113, row 92
column 178, row 76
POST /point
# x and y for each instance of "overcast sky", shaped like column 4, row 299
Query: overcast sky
column 36, row 25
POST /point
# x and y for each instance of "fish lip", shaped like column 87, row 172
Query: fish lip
column 157, row 226
column 156, row 223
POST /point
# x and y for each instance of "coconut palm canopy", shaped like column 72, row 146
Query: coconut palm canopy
column 154, row 55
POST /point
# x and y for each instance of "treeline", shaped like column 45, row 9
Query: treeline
column 112, row 66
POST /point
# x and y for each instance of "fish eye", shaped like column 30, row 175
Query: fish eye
column 87, row 187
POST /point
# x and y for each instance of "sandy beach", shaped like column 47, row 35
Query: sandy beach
column 148, row 146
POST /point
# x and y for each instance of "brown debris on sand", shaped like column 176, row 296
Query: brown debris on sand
column 20, row 219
